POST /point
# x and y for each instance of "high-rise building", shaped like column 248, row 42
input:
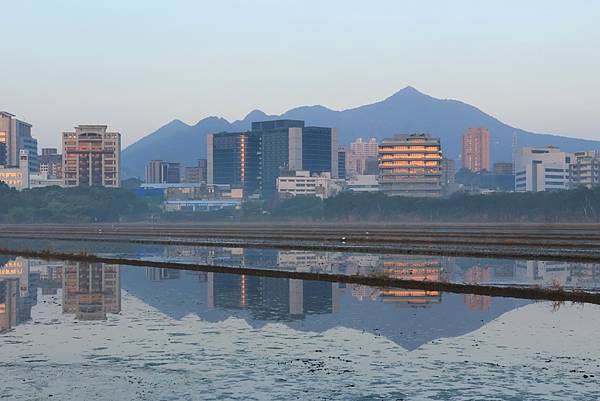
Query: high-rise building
column 255, row 159
column 162, row 172
column 288, row 145
column 410, row 165
column 173, row 173
column 92, row 156
column 156, row 172
column 476, row 149
column 2, row 149
column 541, row 169
column 51, row 163
column 364, row 149
column 585, row 169
column 342, row 152
column 15, row 135
column 202, row 168
column 362, row 158
column 233, row 159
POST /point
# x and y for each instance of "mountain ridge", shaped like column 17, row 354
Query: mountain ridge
column 405, row 111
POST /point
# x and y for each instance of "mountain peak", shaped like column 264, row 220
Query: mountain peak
column 407, row 110
column 255, row 115
column 408, row 91
column 176, row 123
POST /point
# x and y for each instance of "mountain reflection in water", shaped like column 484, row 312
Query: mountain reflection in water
column 90, row 291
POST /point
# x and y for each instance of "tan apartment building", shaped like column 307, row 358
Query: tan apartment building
column 92, row 156
column 410, row 165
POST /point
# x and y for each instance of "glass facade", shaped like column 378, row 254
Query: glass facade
column 255, row 159
column 229, row 166
column 273, row 139
column 342, row 164
column 316, row 149
column 2, row 153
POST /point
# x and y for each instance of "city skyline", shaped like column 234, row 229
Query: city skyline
column 179, row 69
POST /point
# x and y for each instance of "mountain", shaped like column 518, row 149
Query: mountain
column 406, row 111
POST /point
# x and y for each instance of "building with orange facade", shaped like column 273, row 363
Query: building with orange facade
column 417, row 269
column 476, row 149
column 410, row 165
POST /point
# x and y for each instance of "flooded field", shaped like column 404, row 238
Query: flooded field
column 76, row 330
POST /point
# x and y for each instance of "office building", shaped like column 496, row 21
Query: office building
column 17, row 177
column 233, row 159
column 191, row 174
column 156, row 172
column 162, row 172
column 173, row 172
column 342, row 152
column 302, row 183
column 2, row 149
column 15, row 135
column 254, row 160
column 92, row 156
column 288, row 145
column 541, row 169
column 476, row 149
column 42, row 179
column 362, row 183
column 51, row 163
column 448, row 167
column 585, row 169
column 195, row 174
column 503, row 168
column 410, row 165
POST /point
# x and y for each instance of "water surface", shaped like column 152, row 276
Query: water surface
column 76, row 331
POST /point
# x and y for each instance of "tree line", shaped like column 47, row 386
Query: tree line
column 98, row 204
column 70, row 205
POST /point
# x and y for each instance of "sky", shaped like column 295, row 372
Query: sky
column 135, row 65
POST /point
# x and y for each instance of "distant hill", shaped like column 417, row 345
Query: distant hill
column 406, row 111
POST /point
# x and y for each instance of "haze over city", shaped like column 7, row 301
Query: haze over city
column 139, row 64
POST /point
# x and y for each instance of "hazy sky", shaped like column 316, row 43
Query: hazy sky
column 135, row 65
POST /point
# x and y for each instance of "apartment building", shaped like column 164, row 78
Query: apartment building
column 92, row 156
column 476, row 149
column 584, row 170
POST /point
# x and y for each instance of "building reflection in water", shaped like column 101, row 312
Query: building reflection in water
column 18, row 292
column 268, row 298
column 477, row 275
column 410, row 268
column 91, row 290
